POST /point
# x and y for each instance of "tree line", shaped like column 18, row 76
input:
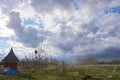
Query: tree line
column 92, row 60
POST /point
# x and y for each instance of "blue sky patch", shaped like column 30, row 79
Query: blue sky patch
column 113, row 10
column 104, row 35
column 3, row 42
column 31, row 22
column 76, row 5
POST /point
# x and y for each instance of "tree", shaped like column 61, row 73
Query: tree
column 115, row 61
column 60, row 68
column 88, row 60
column 30, row 64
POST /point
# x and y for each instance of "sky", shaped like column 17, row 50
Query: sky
column 65, row 29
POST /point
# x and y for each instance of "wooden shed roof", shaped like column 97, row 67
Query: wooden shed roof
column 10, row 57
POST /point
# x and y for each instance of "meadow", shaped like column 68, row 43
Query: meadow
column 96, row 72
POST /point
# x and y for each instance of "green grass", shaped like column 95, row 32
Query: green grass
column 49, row 73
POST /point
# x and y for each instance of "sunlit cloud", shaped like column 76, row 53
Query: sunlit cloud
column 65, row 28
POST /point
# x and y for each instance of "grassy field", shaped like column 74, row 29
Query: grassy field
column 99, row 72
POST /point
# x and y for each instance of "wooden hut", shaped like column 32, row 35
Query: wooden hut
column 10, row 61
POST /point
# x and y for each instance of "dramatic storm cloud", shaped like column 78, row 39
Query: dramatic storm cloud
column 108, row 53
column 65, row 28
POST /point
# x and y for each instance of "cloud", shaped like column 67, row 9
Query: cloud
column 107, row 54
column 50, row 5
column 114, row 32
column 7, row 6
column 71, row 27
column 28, row 36
column 79, row 35
column 68, row 39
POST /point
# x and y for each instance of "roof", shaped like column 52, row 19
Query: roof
column 11, row 57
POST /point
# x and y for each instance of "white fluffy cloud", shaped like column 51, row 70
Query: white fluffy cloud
column 71, row 27
column 29, row 36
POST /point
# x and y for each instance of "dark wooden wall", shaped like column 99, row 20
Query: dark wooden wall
column 12, row 65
